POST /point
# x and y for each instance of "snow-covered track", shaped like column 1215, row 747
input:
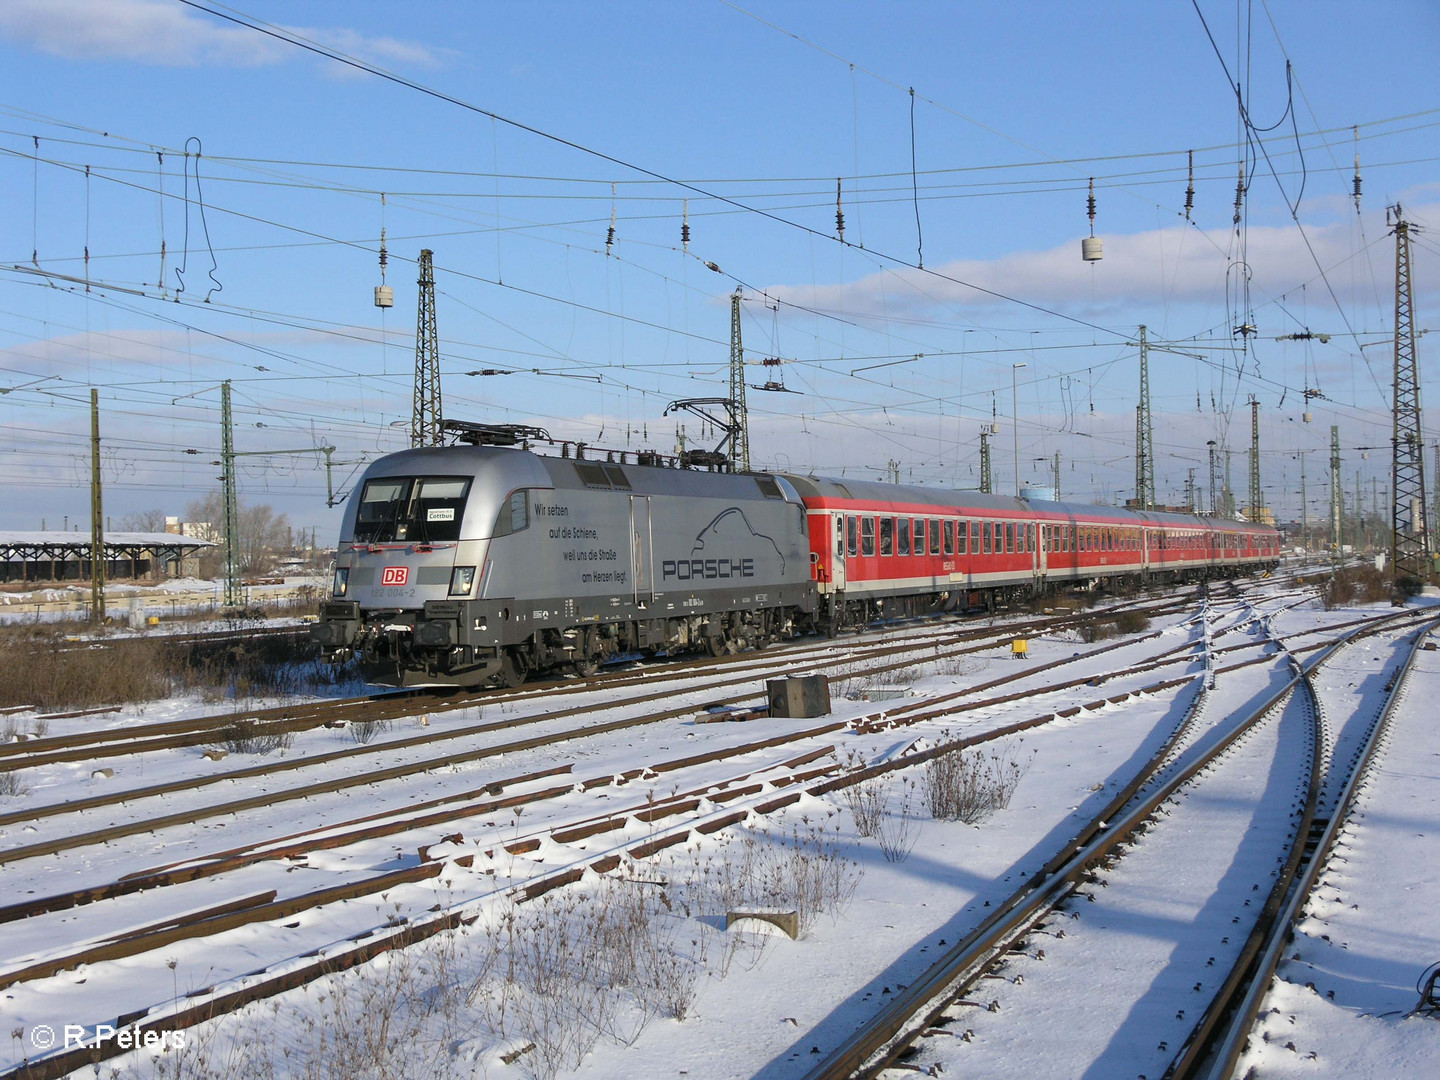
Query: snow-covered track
column 924, row 1002
column 1215, row 1056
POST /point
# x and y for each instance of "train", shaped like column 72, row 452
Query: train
column 486, row 562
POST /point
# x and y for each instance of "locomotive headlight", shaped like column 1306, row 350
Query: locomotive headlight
column 342, row 581
column 462, row 579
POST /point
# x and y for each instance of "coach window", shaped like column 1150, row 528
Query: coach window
column 867, row 535
column 839, row 535
column 852, row 535
column 949, row 537
column 934, row 536
column 918, row 532
column 902, row 536
column 887, row 536
column 985, row 533
column 1030, row 536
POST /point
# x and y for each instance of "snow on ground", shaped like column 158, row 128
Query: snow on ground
column 778, row 998
column 1341, row 1004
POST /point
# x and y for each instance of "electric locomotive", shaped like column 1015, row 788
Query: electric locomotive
column 484, row 562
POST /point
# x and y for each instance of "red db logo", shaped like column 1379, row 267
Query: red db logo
column 395, row 575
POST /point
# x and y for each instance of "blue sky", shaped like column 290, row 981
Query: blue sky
column 756, row 108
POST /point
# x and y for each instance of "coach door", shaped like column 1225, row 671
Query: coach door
column 837, row 562
column 642, row 561
column 1038, row 535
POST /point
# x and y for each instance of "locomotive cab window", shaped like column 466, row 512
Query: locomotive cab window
column 411, row 509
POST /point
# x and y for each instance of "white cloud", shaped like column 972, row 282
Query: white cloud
column 166, row 34
column 1179, row 264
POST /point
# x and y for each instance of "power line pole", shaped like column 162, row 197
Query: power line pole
column 986, row 480
column 1056, row 473
column 426, row 413
column 97, row 517
column 1144, row 442
column 1190, row 489
column 1409, row 532
column 1336, row 540
column 1256, row 510
column 227, row 485
column 1229, row 493
column 741, row 446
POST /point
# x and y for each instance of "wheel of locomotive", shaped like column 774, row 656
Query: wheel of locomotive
column 714, row 645
column 513, row 668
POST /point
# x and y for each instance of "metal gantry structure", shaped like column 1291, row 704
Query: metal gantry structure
column 1409, row 527
column 425, row 418
column 1144, row 438
column 987, row 479
column 740, row 447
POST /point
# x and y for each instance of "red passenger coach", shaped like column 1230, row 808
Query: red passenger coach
column 887, row 549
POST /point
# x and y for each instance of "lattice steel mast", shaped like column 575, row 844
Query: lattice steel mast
column 1336, row 505
column 233, row 596
column 97, row 517
column 987, row 484
column 426, row 414
column 740, row 449
column 1256, row 507
column 1409, row 529
column 1144, row 441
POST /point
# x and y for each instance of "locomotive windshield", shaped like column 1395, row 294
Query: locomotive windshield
column 411, row 509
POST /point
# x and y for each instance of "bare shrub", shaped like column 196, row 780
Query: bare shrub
column 11, row 785
column 244, row 737
column 40, row 728
column 364, row 731
column 1132, row 622
column 897, row 833
column 1363, row 584
column 866, row 801
column 970, row 785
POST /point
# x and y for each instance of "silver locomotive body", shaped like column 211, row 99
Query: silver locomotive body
column 467, row 564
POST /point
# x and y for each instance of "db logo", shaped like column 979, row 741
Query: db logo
column 395, row 575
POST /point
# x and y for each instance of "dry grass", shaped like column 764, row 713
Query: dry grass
column 46, row 671
column 528, row 989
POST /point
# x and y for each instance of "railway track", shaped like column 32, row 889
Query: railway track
column 946, row 1019
column 710, row 791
